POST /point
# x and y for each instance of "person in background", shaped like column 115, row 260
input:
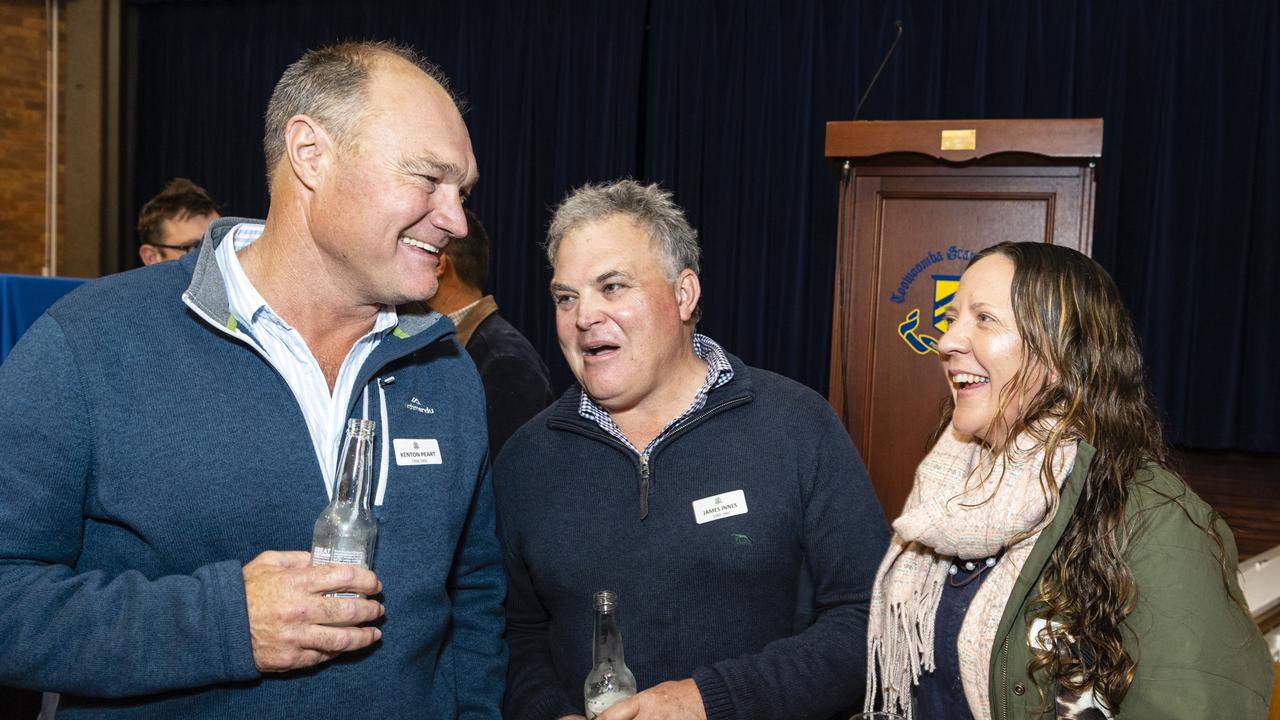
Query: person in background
column 517, row 384
column 725, row 505
column 173, row 222
column 1047, row 562
column 153, row 534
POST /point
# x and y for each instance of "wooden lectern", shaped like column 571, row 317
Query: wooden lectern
column 917, row 199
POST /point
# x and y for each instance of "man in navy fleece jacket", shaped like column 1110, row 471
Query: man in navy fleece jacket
column 724, row 504
column 154, row 530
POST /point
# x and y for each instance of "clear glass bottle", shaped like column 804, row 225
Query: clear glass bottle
column 610, row 680
column 346, row 532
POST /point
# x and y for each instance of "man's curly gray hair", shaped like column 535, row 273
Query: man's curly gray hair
column 649, row 206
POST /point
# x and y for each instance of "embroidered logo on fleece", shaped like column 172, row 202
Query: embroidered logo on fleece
column 416, row 405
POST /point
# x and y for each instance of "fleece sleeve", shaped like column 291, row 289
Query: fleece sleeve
column 533, row 690
column 822, row 669
column 476, row 653
column 91, row 632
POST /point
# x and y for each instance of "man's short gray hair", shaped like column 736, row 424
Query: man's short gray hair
column 649, row 206
column 331, row 85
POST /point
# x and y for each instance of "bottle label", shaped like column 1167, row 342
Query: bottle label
column 600, row 703
column 330, row 556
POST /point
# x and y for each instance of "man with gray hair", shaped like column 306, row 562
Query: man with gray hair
column 724, row 504
column 153, row 537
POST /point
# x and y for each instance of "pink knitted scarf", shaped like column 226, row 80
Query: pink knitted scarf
column 964, row 505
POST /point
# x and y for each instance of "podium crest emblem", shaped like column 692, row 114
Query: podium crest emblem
column 944, row 290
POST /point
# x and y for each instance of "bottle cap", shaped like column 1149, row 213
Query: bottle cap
column 361, row 428
column 605, row 600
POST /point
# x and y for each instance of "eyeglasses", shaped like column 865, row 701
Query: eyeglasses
column 184, row 248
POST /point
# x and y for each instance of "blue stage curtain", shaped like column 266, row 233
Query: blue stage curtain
column 725, row 101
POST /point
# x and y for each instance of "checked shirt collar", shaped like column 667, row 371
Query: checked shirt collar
column 719, row 372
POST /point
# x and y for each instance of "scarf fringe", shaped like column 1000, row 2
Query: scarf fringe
column 912, row 620
column 910, row 580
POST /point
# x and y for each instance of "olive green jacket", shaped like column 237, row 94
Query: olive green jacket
column 1199, row 655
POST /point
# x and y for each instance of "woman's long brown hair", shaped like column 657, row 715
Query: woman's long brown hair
column 1078, row 337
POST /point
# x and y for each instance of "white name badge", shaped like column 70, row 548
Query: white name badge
column 719, row 506
column 417, row 452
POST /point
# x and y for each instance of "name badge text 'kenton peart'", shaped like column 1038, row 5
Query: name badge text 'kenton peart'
column 420, row 451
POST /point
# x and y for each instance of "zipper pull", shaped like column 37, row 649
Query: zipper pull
column 644, row 487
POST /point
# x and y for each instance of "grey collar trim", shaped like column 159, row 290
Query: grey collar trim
column 208, row 290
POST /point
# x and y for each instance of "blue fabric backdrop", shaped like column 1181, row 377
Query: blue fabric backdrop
column 23, row 298
column 725, row 102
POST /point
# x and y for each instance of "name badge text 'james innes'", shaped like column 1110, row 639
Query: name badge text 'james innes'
column 719, row 506
column 417, row 452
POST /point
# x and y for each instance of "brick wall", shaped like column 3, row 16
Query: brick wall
column 23, row 127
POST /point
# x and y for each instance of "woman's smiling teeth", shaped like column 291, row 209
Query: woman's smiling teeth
column 420, row 245
column 969, row 379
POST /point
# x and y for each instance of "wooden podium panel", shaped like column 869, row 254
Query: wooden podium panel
column 909, row 223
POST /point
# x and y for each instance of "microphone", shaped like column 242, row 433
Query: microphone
column 897, row 24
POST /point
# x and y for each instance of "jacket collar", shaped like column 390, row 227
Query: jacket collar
column 207, row 294
column 472, row 318
column 1038, row 560
column 565, row 409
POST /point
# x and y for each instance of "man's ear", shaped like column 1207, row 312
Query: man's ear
column 443, row 265
column 308, row 149
column 149, row 254
column 688, row 292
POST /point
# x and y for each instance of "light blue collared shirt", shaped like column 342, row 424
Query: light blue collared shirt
column 284, row 348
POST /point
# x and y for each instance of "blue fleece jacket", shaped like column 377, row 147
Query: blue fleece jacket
column 151, row 452
column 716, row 600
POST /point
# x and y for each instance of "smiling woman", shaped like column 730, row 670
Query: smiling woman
column 990, row 376
column 1045, row 545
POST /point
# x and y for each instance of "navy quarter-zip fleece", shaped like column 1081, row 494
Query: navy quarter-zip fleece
column 717, row 600
column 152, row 453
